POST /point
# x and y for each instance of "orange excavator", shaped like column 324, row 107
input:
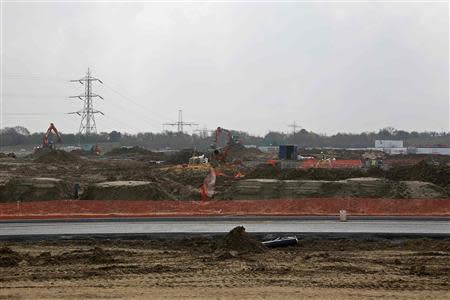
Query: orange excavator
column 45, row 140
column 220, row 154
column 219, row 157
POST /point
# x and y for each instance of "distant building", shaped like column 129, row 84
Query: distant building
column 388, row 144
column 394, row 151
column 396, row 147
column 440, row 151
column 269, row 149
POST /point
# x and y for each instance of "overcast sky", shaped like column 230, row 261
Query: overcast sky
column 331, row 67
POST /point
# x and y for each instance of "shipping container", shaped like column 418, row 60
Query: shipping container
column 287, row 152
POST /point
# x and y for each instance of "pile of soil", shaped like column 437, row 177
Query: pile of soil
column 46, row 155
column 364, row 187
column 190, row 175
column 9, row 258
column 32, row 189
column 438, row 174
column 126, row 190
column 182, row 156
column 8, row 155
column 179, row 190
column 412, row 159
column 136, row 151
column 267, row 171
column 239, row 242
column 239, row 151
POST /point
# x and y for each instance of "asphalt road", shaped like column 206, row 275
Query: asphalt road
column 194, row 226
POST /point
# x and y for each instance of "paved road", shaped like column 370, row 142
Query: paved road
column 171, row 226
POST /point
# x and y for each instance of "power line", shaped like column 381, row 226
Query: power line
column 147, row 110
column 32, row 114
column 123, row 123
column 30, row 78
column 144, row 110
column 122, row 106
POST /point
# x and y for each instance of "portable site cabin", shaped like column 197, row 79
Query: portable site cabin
column 287, row 152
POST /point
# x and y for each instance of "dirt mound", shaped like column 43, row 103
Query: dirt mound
column 9, row 257
column 239, row 151
column 364, row 187
column 135, row 152
column 8, row 155
column 182, row 156
column 266, row 171
column 46, row 155
column 238, row 241
column 438, row 174
column 126, row 190
column 412, row 159
column 38, row 188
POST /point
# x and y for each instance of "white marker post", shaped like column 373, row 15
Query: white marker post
column 343, row 215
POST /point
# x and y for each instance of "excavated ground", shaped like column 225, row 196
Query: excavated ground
column 220, row 268
column 49, row 175
column 365, row 187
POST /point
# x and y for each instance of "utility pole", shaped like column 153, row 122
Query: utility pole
column 294, row 126
column 87, row 123
column 180, row 123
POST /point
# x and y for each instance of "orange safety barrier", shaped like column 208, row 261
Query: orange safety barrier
column 277, row 207
column 272, row 162
column 331, row 164
column 346, row 163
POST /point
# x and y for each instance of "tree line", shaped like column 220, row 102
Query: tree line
column 11, row 136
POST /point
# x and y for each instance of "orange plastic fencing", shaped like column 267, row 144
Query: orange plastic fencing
column 330, row 164
column 297, row 207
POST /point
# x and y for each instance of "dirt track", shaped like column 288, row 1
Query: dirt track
column 317, row 269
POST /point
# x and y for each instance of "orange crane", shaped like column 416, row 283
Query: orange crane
column 45, row 141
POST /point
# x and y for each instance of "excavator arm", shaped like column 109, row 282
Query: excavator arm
column 220, row 154
column 221, row 130
column 47, row 134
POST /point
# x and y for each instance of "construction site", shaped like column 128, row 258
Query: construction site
column 102, row 220
column 227, row 180
column 224, row 173
column 224, row 150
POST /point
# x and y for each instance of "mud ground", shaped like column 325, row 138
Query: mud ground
column 35, row 177
column 205, row 268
